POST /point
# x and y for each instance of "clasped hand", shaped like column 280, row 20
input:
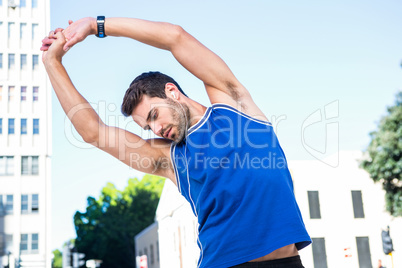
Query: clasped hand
column 59, row 41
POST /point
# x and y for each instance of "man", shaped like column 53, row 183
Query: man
column 225, row 159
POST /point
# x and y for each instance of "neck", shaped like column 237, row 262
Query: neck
column 197, row 110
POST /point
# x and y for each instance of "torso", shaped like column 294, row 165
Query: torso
column 280, row 253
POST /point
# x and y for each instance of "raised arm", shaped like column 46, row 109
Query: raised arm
column 220, row 83
column 146, row 156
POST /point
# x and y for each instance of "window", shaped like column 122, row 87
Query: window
column 11, row 126
column 11, row 90
column 9, row 204
column 357, row 204
column 1, row 60
column 34, row 30
column 23, row 3
column 23, row 29
column 157, row 251
column 24, row 203
column 29, row 243
column 35, row 242
column 146, row 252
column 24, row 242
column 319, row 253
column 6, row 165
column 152, row 254
column 35, row 62
column 35, row 93
column 30, row 165
column 23, row 126
column 23, row 65
column 29, row 203
column 1, row 125
column 35, row 203
column 363, row 252
column 11, row 61
column 314, row 205
column 11, row 26
column 23, row 93
column 25, row 165
column 36, row 126
column 34, row 3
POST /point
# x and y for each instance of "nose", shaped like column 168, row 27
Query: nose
column 156, row 128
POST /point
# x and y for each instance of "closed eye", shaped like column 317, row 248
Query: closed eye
column 154, row 115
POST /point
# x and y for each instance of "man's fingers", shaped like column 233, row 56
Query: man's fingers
column 44, row 47
column 60, row 36
column 58, row 30
column 70, row 43
column 48, row 41
column 51, row 34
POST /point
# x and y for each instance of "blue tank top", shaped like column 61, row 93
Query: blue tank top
column 233, row 172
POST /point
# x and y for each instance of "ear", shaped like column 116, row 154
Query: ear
column 171, row 91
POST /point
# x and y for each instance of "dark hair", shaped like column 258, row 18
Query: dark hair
column 151, row 84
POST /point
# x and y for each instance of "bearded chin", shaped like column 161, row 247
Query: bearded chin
column 181, row 114
column 184, row 125
column 182, row 130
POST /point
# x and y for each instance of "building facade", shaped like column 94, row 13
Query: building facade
column 25, row 136
column 177, row 230
column 343, row 209
column 344, row 212
column 147, row 243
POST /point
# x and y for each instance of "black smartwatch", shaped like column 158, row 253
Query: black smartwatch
column 100, row 21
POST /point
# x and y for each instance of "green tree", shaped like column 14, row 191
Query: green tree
column 57, row 259
column 384, row 156
column 107, row 228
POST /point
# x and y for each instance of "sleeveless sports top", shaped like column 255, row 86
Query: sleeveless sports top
column 233, row 172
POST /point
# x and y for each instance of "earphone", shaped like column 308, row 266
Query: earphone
column 174, row 95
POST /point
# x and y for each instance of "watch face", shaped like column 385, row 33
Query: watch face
column 100, row 20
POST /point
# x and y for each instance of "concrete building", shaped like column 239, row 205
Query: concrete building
column 344, row 212
column 178, row 230
column 25, row 136
column 147, row 243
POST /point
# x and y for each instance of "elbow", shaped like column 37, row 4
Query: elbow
column 91, row 137
column 91, row 133
column 177, row 33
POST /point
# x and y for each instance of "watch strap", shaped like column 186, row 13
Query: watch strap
column 100, row 21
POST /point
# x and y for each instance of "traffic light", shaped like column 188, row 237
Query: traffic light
column 78, row 259
column 387, row 242
column 67, row 255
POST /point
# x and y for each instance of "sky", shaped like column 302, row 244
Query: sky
column 322, row 72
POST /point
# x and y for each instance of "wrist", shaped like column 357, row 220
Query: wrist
column 94, row 25
column 51, row 62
